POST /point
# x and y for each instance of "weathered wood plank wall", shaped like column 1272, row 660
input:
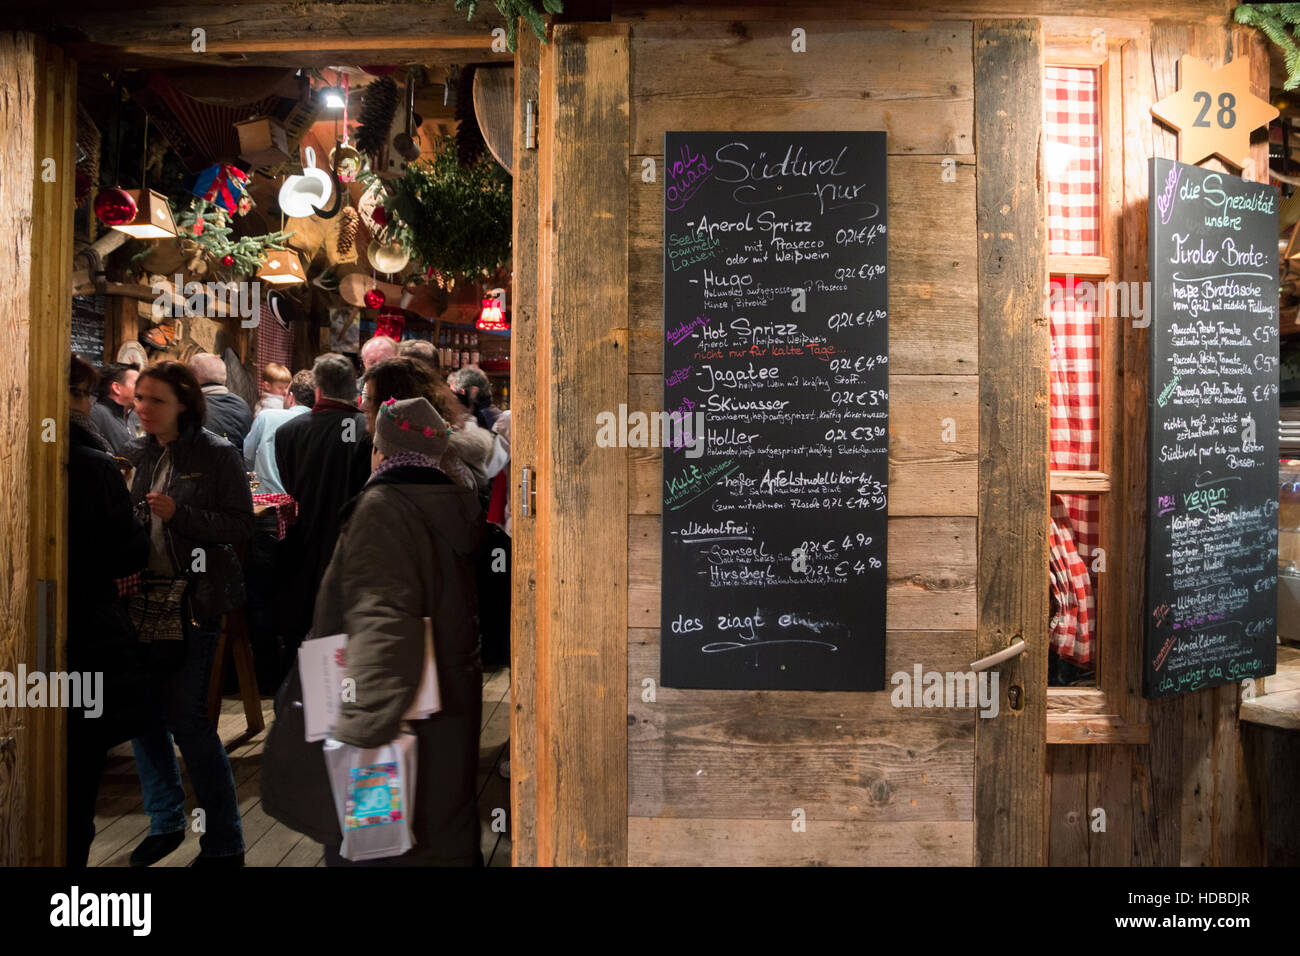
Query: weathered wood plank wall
column 17, row 158
column 715, row 776
column 1183, row 798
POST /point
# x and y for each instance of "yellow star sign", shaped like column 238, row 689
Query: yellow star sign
column 1214, row 111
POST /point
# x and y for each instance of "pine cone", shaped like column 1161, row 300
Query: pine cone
column 348, row 222
column 378, row 106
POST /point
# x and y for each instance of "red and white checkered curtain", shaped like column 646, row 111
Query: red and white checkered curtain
column 1072, row 128
column 274, row 341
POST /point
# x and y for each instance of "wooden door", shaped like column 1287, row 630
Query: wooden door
column 1011, row 224
column 37, row 152
column 569, row 362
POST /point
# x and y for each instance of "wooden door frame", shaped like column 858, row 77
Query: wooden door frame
column 1011, row 226
column 36, row 212
column 569, row 625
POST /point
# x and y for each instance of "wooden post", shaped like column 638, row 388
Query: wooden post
column 527, row 446
column 1011, row 748
column 37, row 134
column 580, row 533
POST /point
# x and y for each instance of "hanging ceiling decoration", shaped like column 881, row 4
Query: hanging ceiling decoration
column 202, row 133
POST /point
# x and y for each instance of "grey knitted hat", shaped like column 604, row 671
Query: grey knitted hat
column 410, row 424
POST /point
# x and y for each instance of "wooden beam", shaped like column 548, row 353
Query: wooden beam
column 44, row 369
column 582, row 491
column 1095, row 729
column 528, row 447
column 1011, row 748
column 17, row 157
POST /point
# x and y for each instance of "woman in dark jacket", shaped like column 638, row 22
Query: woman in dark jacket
column 404, row 554
column 190, row 487
column 104, row 542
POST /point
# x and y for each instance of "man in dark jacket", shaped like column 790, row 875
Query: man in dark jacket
column 228, row 415
column 324, row 459
column 114, row 414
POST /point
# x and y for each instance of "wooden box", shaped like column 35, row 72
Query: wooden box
column 262, row 141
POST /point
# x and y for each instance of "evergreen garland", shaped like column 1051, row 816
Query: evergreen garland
column 208, row 225
column 455, row 220
column 1274, row 19
column 512, row 10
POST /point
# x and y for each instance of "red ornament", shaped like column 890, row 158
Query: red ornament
column 114, row 207
column 380, row 216
column 375, row 298
column 227, row 260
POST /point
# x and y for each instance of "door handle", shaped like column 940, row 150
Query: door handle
column 1006, row 654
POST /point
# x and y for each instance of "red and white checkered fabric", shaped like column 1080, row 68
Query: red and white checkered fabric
column 274, row 341
column 286, row 510
column 1072, row 130
column 1072, row 140
column 1072, row 593
column 1075, row 446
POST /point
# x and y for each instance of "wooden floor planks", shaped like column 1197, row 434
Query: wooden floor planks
column 121, row 823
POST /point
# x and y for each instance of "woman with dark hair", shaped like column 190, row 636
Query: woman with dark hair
column 404, row 377
column 104, row 542
column 190, row 487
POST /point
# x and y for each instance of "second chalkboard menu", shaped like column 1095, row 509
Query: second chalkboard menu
column 776, row 375
column 1211, row 608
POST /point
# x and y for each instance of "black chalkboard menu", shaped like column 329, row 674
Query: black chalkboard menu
column 1211, row 606
column 776, row 373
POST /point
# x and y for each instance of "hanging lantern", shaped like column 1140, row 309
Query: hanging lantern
column 114, row 207
column 152, row 219
column 390, row 322
column 492, row 316
column 374, row 298
column 280, row 267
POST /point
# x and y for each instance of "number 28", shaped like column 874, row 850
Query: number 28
column 1227, row 115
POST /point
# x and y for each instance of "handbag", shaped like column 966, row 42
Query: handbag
column 295, row 781
column 155, row 611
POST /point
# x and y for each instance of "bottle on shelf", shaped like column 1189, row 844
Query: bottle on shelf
column 464, row 350
column 473, row 350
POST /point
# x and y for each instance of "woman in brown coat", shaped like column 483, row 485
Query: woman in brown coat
column 404, row 554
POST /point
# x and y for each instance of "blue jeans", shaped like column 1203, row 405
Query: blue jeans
column 185, row 717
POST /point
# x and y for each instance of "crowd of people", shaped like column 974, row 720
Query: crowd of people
column 398, row 480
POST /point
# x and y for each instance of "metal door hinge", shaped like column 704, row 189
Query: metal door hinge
column 530, row 125
column 527, row 493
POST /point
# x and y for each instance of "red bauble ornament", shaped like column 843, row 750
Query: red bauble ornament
column 114, row 207
column 227, row 260
column 375, row 298
column 380, row 216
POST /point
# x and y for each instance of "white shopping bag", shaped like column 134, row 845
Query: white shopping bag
column 374, row 795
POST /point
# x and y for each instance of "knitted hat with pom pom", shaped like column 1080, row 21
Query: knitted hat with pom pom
column 410, row 424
